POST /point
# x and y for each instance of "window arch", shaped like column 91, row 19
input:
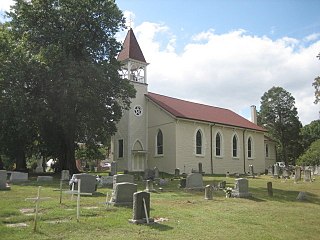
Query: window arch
column 199, row 144
column 235, row 144
column 159, row 141
column 250, row 147
column 218, row 144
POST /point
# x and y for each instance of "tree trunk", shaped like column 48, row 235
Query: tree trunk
column 21, row 163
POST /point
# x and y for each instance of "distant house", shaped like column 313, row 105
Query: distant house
column 169, row 133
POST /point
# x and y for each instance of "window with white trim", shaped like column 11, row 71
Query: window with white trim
column 234, row 146
column 218, row 144
column 199, row 142
column 159, row 139
column 249, row 147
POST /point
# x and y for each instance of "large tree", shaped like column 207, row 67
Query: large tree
column 279, row 116
column 80, row 95
column 311, row 157
column 316, row 85
column 310, row 133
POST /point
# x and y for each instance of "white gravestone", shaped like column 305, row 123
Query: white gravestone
column 241, row 188
column 123, row 194
column 18, row 177
column 307, row 175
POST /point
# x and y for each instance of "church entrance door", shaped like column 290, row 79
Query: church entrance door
column 138, row 162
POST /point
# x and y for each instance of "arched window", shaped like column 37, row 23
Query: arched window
column 234, row 146
column 249, row 147
column 218, row 144
column 199, row 142
column 159, row 143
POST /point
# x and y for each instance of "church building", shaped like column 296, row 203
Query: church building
column 169, row 133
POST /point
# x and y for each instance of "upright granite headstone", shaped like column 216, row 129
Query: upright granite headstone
column 65, row 175
column 177, row 173
column 88, row 182
column 123, row 178
column 297, row 174
column 241, row 188
column 18, row 177
column 141, row 208
column 251, row 172
column 208, row 192
column 156, row 173
column 194, row 181
column 114, row 169
column 286, row 173
column 276, row 172
column 307, row 175
column 270, row 170
column 3, row 180
column 122, row 194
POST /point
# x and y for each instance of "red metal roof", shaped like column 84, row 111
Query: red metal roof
column 131, row 48
column 195, row 111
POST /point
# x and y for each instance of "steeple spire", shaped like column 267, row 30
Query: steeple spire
column 134, row 65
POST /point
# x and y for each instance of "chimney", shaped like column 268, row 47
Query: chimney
column 254, row 114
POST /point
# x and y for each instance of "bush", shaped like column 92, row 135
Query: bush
column 312, row 156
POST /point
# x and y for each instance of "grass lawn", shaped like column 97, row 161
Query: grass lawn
column 186, row 215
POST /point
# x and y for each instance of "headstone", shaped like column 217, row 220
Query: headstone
column 200, row 167
column 183, row 182
column 114, row 169
column 39, row 168
column 65, row 175
column 270, row 170
column 141, row 208
column 286, row 173
column 3, row 180
column 163, row 181
column 276, row 171
column 227, row 174
column 222, row 185
column 177, row 173
column 251, row 172
column 44, row 179
column 194, row 181
column 106, row 181
column 122, row 194
column 149, row 174
column 123, row 178
column 18, row 177
column 156, row 173
column 297, row 174
column 307, row 175
column 149, row 186
column 270, row 190
column 88, row 182
column 208, row 193
column 241, row 188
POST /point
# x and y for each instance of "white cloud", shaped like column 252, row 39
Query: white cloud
column 231, row 70
column 5, row 5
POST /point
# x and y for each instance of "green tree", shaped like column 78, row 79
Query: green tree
column 312, row 156
column 279, row 116
column 310, row 133
column 80, row 95
column 316, row 85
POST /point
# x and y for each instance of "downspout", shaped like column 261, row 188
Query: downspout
column 211, row 148
column 244, row 151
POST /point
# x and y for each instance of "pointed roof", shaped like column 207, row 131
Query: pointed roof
column 195, row 111
column 131, row 49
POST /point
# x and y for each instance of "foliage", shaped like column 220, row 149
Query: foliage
column 316, row 85
column 69, row 74
column 279, row 116
column 312, row 156
column 310, row 133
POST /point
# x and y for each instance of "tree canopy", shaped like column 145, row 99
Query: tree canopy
column 310, row 133
column 316, row 85
column 312, row 156
column 68, row 75
column 279, row 116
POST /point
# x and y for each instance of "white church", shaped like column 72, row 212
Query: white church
column 169, row 133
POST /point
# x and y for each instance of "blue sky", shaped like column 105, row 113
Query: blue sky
column 228, row 53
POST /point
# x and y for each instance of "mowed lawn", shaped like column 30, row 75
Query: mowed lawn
column 180, row 214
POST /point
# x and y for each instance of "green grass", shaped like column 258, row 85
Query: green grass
column 188, row 214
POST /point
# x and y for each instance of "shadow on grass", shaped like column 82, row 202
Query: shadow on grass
column 159, row 226
column 284, row 196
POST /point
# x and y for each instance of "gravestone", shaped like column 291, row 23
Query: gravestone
column 241, row 188
column 270, row 170
column 141, row 208
column 3, row 180
column 222, row 185
column 251, row 172
column 106, row 181
column 286, row 173
column 183, row 182
column 177, row 173
column 39, row 168
column 44, row 179
column 194, row 181
column 208, row 193
column 18, row 177
column 149, row 174
column 65, row 175
column 114, row 169
column 123, row 178
column 297, row 174
column 276, row 171
column 88, row 182
column 156, row 173
column 149, row 186
column 307, row 175
column 270, row 190
column 122, row 194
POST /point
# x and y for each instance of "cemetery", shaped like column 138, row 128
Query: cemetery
column 144, row 206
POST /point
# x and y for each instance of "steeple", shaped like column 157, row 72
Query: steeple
column 131, row 56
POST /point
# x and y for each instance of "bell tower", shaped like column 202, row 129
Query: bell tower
column 130, row 145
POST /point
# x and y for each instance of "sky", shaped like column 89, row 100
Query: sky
column 228, row 53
